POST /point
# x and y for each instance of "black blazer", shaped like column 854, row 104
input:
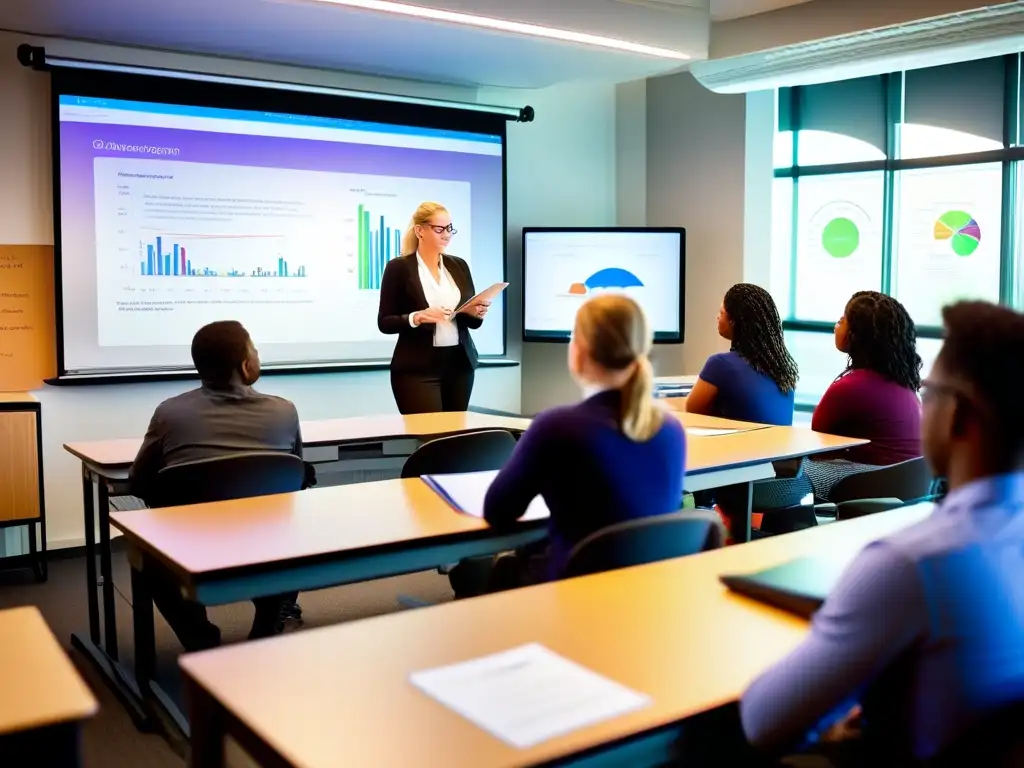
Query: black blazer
column 401, row 294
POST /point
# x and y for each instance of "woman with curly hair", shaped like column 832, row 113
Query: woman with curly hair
column 875, row 398
column 756, row 379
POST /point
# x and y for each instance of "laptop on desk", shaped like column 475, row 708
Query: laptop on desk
column 799, row 586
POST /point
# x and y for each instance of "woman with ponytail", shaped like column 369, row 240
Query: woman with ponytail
column 433, row 365
column 616, row 456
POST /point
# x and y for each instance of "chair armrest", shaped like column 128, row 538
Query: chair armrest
column 847, row 510
column 826, row 510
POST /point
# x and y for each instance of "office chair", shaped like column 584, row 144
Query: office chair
column 877, row 490
column 469, row 452
column 646, row 540
column 235, row 476
column 222, row 478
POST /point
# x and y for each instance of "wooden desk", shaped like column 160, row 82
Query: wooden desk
column 105, row 466
column 44, row 701
column 236, row 550
column 691, row 420
column 742, row 458
column 106, row 457
column 22, row 499
column 341, row 695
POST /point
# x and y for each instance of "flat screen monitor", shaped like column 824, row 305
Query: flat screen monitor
column 562, row 268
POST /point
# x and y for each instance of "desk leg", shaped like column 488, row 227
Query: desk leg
column 145, row 629
column 51, row 746
column 90, row 556
column 740, row 501
column 207, row 719
column 742, row 531
column 106, row 571
column 175, row 726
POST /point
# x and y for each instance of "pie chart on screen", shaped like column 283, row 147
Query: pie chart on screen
column 960, row 228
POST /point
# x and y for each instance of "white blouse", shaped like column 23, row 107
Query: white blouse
column 442, row 294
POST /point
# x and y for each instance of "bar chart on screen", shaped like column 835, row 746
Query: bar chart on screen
column 171, row 255
column 374, row 220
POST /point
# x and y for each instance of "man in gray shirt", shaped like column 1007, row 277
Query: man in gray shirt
column 223, row 416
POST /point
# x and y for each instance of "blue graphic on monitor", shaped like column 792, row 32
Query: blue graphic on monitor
column 613, row 277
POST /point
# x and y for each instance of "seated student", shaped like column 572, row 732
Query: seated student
column 223, row 416
column 756, row 379
column 876, row 396
column 926, row 626
column 615, row 456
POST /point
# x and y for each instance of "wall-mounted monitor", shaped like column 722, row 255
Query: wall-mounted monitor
column 562, row 268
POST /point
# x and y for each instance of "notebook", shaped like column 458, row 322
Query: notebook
column 799, row 586
column 465, row 491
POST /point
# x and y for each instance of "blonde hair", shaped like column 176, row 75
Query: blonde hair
column 617, row 336
column 422, row 216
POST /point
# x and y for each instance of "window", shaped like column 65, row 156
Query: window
column 819, row 360
column 949, row 223
column 953, row 110
column 906, row 183
column 838, row 243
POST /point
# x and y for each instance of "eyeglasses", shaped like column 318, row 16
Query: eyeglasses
column 440, row 230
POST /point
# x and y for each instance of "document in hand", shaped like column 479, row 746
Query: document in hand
column 527, row 695
column 466, row 491
column 487, row 294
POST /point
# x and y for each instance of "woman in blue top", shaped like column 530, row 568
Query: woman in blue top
column 756, row 379
column 616, row 456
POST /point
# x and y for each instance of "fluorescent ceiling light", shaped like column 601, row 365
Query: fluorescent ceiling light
column 502, row 25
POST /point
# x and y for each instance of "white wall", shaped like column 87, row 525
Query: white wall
column 95, row 413
column 709, row 167
column 561, row 173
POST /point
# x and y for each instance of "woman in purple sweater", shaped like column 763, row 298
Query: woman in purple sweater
column 875, row 398
column 616, row 456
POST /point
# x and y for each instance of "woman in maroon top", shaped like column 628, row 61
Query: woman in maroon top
column 876, row 396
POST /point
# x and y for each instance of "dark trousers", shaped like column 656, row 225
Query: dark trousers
column 445, row 386
column 194, row 629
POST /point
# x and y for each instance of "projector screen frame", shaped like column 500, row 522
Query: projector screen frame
column 168, row 89
column 562, row 337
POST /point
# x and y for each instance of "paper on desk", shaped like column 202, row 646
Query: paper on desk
column 710, row 431
column 527, row 695
column 487, row 294
column 466, row 491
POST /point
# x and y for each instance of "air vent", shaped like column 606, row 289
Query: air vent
column 984, row 32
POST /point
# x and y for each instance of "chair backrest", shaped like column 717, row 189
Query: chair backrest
column 468, row 452
column 646, row 540
column 906, row 481
column 236, row 476
column 788, row 519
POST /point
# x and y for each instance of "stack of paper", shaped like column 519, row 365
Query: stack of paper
column 466, row 491
column 528, row 694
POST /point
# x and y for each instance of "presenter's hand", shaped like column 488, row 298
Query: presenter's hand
column 431, row 315
column 477, row 310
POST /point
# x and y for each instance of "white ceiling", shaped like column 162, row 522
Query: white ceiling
column 723, row 10
column 335, row 37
